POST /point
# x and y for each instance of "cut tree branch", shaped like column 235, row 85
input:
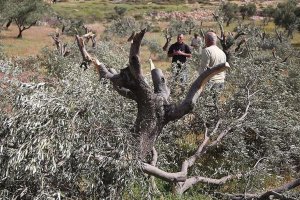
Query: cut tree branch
column 159, row 82
column 134, row 61
column 199, row 179
column 111, row 74
column 100, row 67
column 60, row 46
column 167, row 176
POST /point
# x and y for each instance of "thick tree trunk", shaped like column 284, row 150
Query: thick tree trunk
column 20, row 34
column 228, row 22
column 8, row 23
column 149, row 122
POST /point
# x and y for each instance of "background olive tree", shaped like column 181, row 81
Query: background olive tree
column 229, row 12
column 24, row 13
column 286, row 15
column 248, row 10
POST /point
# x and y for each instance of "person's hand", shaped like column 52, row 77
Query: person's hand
column 178, row 52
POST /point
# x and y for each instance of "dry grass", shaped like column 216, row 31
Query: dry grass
column 38, row 37
column 34, row 39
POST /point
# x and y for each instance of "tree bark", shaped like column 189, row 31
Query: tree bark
column 20, row 32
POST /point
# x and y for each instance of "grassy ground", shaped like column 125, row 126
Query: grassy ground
column 99, row 10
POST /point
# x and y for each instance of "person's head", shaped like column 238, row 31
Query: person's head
column 210, row 39
column 196, row 35
column 180, row 38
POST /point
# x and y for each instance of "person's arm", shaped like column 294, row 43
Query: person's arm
column 188, row 55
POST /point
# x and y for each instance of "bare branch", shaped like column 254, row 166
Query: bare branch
column 286, row 58
column 170, row 177
column 239, row 34
column 90, row 36
column 279, row 35
column 168, row 37
column 100, row 67
column 240, row 44
column 191, row 160
column 182, row 175
column 134, row 61
column 288, row 186
column 197, row 179
column 220, row 26
column 275, row 194
column 60, row 46
column 111, row 74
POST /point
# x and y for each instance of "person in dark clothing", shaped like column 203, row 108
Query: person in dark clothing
column 179, row 52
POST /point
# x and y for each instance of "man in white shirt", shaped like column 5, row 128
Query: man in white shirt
column 211, row 56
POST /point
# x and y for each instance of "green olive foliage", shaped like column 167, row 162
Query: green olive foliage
column 123, row 27
column 69, row 135
column 230, row 11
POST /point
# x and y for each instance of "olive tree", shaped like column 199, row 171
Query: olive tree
column 247, row 10
column 229, row 11
column 40, row 156
column 24, row 13
column 267, row 13
column 285, row 16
